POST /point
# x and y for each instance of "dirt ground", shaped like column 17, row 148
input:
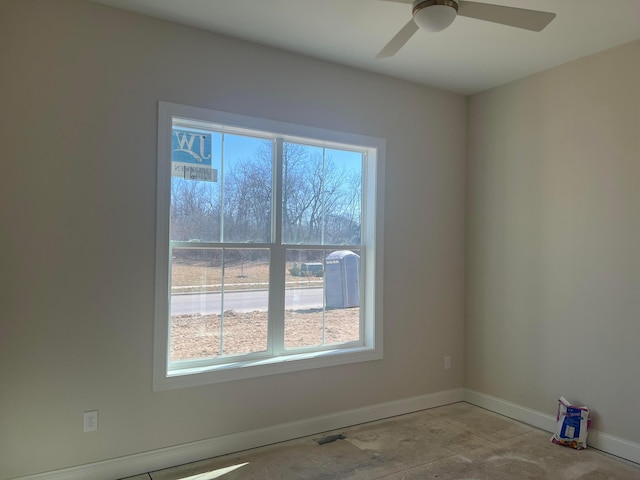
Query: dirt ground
column 205, row 336
column 199, row 336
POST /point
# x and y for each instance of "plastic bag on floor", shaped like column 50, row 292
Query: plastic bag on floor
column 572, row 425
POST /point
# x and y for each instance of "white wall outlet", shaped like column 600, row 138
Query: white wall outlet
column 91, row 421
column 447, row 362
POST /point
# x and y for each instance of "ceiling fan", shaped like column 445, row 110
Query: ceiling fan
column 436, row 15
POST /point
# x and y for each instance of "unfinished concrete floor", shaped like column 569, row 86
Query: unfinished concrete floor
column 458, row 441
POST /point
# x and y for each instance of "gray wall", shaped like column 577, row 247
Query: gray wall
column 79, row 92
column 553, row 229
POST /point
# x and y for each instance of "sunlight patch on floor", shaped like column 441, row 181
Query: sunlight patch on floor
column 215, row 473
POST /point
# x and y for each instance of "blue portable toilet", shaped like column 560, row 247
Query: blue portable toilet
column 342, row 279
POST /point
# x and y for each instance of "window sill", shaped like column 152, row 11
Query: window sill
column 191, row 377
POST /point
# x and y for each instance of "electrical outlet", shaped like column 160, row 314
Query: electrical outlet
column 91, row 421
column 447, row 362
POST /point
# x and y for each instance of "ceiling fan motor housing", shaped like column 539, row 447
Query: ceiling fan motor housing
column 434, row 15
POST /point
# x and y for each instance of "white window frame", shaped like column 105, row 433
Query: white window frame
column 164, row 376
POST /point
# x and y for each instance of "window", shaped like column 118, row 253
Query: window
column 268, row 247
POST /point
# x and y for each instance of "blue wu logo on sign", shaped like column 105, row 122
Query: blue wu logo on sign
column 191, row 155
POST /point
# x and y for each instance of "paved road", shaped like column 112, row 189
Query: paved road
column 249, row 301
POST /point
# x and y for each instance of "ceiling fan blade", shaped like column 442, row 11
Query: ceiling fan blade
column 398, row 41
column 515, row 17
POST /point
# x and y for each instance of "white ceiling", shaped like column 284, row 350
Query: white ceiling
column 470, row 56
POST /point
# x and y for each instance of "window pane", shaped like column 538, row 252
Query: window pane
column 196, row 280
column 322, row 301
column 245, row 301
column 322, row 194
column 304, row 304
column 343, row 197
column 218, row 311
column 342, row 296
column 302, row 207
column 195, row 189
column 248, row 175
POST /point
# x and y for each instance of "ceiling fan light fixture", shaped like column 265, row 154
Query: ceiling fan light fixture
column 434, row 15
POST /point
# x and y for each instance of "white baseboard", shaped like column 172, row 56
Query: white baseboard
column 599, row 440
column 166, row 457
column 517, row 412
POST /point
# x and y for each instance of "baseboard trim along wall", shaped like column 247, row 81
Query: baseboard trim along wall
column 601, row 441
column 166, row 457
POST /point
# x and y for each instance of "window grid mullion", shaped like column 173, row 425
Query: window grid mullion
column 222, row 182
column 222, row 309
column 278, row 257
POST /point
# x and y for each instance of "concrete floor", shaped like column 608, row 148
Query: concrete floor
column 458, row 441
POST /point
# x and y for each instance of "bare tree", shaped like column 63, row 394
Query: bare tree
column 194, row 206
column 248, row 190
column 321, row 200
